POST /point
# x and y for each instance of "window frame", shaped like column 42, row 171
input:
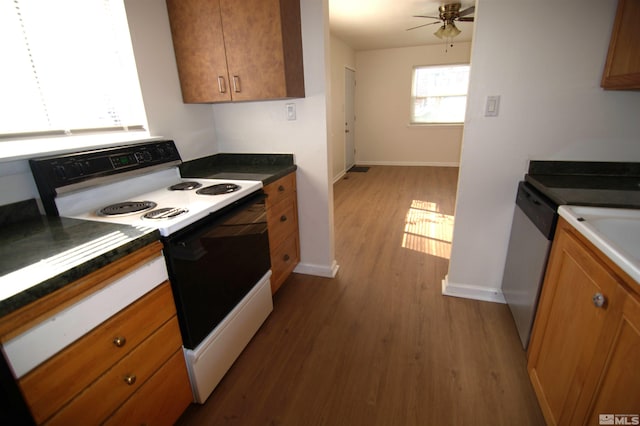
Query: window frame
column 412, row 115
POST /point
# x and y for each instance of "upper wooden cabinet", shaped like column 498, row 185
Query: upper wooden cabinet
column 231, row 50
column 585, row 345
column 622, row 69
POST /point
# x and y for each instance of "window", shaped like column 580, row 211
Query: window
column 68, row 66
column 439, row 94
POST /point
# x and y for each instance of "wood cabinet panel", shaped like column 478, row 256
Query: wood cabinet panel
column 196, row 28
column 282, row 220
column 58, row 380
column 111, row 389
column 161, row 400
column 281, row 189
column 581, row 350
column 618, row 390
column 283, row 260
column 259, row 42
column 622, row 69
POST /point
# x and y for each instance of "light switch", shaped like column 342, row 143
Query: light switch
column 492, row 107
column 291, row 111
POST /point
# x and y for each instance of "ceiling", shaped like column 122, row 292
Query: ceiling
column 382, row 24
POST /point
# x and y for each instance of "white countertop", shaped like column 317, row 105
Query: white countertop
column 616, row 232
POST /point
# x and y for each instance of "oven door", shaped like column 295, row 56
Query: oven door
column 215, row 262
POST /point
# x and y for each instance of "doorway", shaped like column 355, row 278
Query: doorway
column 349, row 118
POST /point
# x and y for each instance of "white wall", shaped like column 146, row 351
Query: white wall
column 547, row 68
column 342, row 56
column 261, row 127
column 383, row 108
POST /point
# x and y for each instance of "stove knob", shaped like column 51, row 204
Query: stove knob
column 60, row 172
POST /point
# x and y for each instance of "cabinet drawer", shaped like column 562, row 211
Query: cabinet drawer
column 59, row 379
column 103, row 396
column 283, row 259
column 282, row 221
column 161, row 400
column 280, row 189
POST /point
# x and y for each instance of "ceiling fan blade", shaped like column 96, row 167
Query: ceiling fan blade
column 425, row 16
column 423, row 25
column 467, row 11
column 468, row 19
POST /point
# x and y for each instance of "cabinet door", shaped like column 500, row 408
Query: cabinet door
column 568, row 329
column 619, row 389
column 257, row 34
column 622, row 70
column 198, row 42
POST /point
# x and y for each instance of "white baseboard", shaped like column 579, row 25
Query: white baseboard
column 407, row 163
column 469, row 291
column 340, row 175
column 318, row 270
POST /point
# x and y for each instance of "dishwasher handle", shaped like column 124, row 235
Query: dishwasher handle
column 540, row 210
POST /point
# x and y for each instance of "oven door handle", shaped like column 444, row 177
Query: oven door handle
column 191, row 252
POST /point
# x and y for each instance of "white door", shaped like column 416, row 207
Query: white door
column 349, row 118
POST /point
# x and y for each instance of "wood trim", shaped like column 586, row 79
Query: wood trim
column 17, row 322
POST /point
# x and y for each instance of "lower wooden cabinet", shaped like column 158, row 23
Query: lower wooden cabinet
column 130, row 369
column 585, row 345
column 282, row 221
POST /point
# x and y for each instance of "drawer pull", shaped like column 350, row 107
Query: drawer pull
column 283, row 218
column 599, row 300
column 286, row 258
column 130, row 379
column 281, row 188
column 236, row 84
column 222, row 86
column 119, row 341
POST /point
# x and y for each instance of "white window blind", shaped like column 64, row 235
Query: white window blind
column 439, row 94
column 68, row 67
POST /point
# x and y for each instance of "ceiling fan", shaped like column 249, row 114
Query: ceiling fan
column 448, row 15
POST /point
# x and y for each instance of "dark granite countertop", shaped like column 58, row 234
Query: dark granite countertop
column 587, row 183
column 263, row 167
column 41, row 254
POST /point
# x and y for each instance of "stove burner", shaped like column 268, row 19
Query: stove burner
column 185, row 186
column 165, row 213
column 221, row 188
column 126, row 207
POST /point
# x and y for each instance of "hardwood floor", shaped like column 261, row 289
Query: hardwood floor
column 379, row 344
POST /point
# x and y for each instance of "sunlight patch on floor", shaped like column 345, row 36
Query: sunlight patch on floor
column 427, row 230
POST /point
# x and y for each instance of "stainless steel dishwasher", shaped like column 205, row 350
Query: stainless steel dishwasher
column 532, row 230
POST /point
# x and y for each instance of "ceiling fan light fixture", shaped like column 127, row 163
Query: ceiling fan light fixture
column 440, row 32
column 452, row 30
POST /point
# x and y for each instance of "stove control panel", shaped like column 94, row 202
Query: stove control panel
column 68, row 172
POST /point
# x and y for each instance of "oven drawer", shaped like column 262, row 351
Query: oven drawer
column 101, row 398
column 161, row 400
column 55, row 382
column 283, row 221
column 280, row 189
column 283, row 260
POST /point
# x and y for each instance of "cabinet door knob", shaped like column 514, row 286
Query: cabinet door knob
column 599, row 300
column 236, row 84
column 130, row 379
column 286, row 258
column 281, row 188
column 119, row 341
column 283, row 218
column 222, row 85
